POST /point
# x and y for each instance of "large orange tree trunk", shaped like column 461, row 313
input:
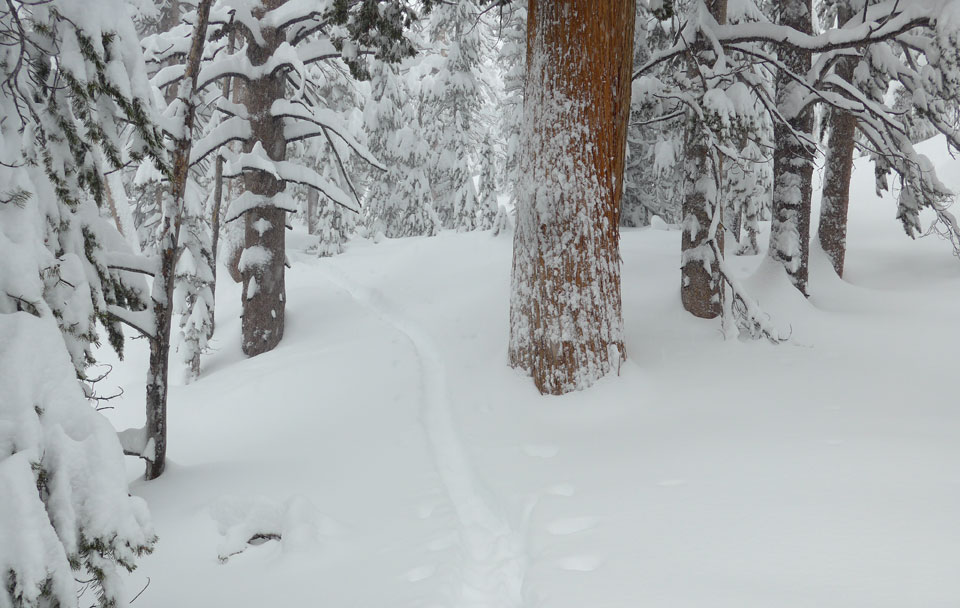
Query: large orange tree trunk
column 566, row 327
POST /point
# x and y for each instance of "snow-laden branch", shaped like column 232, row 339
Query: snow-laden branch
column 286, row 57
column 142, row 321
column 295, row 113
column 131, row 262
column 249, row 201
column 287, row 171
column 232, row 129
column 883, row 22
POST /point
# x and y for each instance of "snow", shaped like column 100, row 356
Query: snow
column 402, row 463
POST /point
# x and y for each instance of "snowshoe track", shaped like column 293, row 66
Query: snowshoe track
column 494, row 560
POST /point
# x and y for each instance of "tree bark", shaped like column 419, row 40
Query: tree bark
column 155, row 452
column 566, row 327
column 838, row 169
column 313, row 210
column 792, row 156
column 699, row 271
column 264, row 295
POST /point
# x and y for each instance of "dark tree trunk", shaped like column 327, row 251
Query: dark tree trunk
column 264, row 297
column 155, row 450
column 792, row 155
column 566, row 327
column 837, row 170
column 313, row 210
column 699, row 271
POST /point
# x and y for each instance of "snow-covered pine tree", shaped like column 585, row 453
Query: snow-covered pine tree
column 193, row 294
column 65, row 512
column 912, row 44
column 331, row 157
column 714, row 95
column 451, row 107
column 488, row 198
column 566, row 326
column 746, row 193
column 701, row 242
column 653, row 177
column 397, row 202
column 513, row 61
column 281, row 41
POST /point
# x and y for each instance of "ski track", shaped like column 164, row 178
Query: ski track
column 494, row 559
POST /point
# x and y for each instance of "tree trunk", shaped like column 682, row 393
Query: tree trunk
column 264, row 232
column 837, row 170
column 566, row 326
column 217, row 206
column 313, row 210
column 699, row 270
column 792, row 156
column 751, row 225
column 155, row 451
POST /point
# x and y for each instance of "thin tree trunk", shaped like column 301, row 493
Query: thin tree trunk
column 751, row 225
column 313, row 211
column 566, row 327
column 792, row 156
column 838, row 169
column 264, row 236
column 217, row 205
column 157, row 377
column 699, row 270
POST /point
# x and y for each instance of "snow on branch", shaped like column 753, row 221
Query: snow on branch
column 234, row 128
column 249, row 201
column 884, row 21
column 288, row 171
column 142, row 321
column 286, row 58
column 131, row 262
column 326, row 119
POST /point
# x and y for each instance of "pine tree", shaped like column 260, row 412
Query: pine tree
column 397, row 202
column 488, row 199
column 513, row 59
column 452, row 105
column 65, row 512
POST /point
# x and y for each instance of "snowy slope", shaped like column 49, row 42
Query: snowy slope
column 404, row 464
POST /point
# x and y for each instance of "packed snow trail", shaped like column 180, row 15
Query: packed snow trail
column 494, row 560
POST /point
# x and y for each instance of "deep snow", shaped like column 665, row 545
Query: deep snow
column 404, row 464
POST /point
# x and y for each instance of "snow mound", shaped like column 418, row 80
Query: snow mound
column 295, row 523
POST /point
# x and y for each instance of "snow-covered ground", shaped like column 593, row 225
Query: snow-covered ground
column 405, row 465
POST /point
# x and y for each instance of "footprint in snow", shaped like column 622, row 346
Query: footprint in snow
column 541, row 451
column 443, row 543
column 571, row 525
column 420, row 573
column 580, row 563
column 562, row 489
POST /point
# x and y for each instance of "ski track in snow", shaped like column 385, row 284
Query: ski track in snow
column 494, row 558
